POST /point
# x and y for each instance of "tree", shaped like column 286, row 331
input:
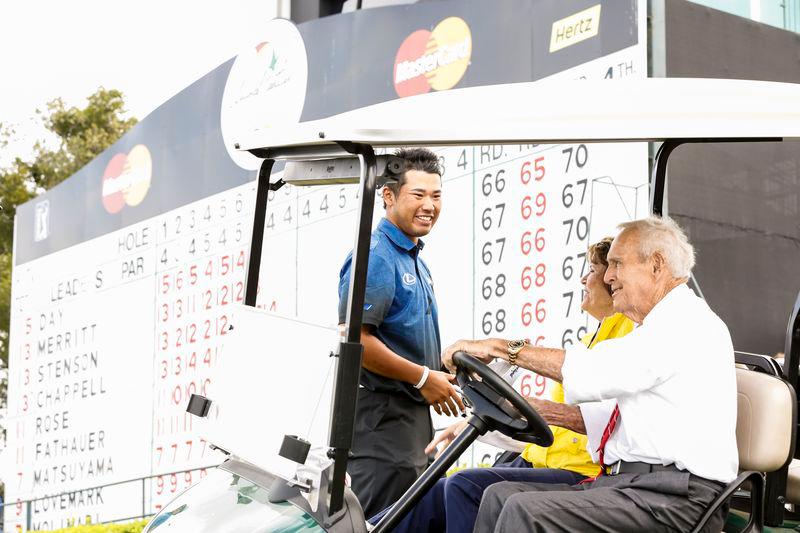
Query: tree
column 83, row 133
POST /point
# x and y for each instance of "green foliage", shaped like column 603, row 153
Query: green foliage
column 131, row 527
column 5, row 313
column 83, row 133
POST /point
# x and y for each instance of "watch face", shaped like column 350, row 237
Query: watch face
column 515, row 346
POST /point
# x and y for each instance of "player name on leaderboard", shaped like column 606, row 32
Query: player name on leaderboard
column 112, row 337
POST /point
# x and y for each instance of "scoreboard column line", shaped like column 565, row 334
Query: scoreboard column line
column 147, row 489
column 474, row 236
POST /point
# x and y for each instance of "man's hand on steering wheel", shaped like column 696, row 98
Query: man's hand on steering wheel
column 485, row 350
column 495, row 402
column 439, row 392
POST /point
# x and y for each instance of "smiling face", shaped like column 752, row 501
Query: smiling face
column 634, row 281
column 596, row 298
column 415, row 208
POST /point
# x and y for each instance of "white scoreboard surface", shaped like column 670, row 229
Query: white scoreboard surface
column 110, row 337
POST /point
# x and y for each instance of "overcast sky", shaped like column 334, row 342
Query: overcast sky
column 148, row 49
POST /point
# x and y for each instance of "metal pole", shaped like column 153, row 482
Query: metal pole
column 257, row 240
column 658, row 181
column 348, row 363
column 414, row 494
column 658, row 176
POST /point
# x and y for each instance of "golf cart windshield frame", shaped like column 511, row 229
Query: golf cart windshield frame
column 348, row 364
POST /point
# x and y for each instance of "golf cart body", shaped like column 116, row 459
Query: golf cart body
column 244, row 496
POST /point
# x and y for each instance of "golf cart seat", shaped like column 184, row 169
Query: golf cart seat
column 765, row 436
column 793, row 483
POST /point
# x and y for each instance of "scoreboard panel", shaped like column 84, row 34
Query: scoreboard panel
column 112, row 331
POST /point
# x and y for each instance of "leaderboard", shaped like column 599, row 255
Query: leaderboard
column 111, row 334
column 112, row 337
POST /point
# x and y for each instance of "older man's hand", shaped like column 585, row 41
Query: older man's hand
column 482, row 349
column 559, row 414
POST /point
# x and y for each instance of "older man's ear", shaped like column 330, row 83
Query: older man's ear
column 659, row 264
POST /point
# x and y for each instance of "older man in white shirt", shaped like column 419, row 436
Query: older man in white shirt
column 659, row 405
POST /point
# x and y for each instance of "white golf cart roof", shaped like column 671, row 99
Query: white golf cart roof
column 652, row 109
column 549, row 112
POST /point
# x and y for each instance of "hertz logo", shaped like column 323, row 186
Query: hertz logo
column 575, row 28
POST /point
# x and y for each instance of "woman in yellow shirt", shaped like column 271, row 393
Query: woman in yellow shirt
column 452, row 504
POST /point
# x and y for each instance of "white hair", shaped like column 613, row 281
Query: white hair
column 663, row 235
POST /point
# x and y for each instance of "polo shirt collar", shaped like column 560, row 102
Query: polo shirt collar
column 398, row 237
column 677, row 293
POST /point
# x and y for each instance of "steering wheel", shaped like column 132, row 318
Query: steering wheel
column 497, row 403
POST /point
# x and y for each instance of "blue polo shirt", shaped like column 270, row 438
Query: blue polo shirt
column 399, row 302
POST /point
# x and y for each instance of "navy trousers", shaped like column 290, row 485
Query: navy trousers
column 452, row 504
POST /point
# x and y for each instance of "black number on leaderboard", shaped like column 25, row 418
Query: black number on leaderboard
column 577, row 227
column 494, row 321
column 493, row 286
column 570, row 192
column 576, row 157
column 493, row 216
column 462, row 160
column 569, row 337
column 567, row 266
column 492, row 251
column 493, row 182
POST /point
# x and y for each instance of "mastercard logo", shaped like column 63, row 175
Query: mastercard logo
column 434, row 59
column 126, row 179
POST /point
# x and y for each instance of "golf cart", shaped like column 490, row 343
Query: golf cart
column 243, row 496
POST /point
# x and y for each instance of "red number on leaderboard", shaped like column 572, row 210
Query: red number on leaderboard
column 536, row 389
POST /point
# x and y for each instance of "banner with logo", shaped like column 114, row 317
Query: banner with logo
column 126, row 273
column 315, row 70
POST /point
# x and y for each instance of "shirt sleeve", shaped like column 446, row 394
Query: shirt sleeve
column 379, row 292
column 616, row 368
column 595, row 418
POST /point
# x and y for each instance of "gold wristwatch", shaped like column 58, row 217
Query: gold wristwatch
column 513, row 348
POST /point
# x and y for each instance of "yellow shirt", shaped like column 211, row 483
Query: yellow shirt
column 568, row 451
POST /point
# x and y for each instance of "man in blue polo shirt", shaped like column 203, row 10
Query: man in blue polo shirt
column 400, row 375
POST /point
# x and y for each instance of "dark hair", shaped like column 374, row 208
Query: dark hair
column 598, row 252
column 415, row 159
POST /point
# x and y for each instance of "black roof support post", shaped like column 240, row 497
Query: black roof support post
column 792, row 346
column 257, row 239
column 775, row 492
column 775, row 496
column 775, row 486
column 348, row 364
column 658, row 178
column 791, row 349
column 791, row 354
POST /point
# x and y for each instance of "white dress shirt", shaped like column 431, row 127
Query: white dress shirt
column 675, row 382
